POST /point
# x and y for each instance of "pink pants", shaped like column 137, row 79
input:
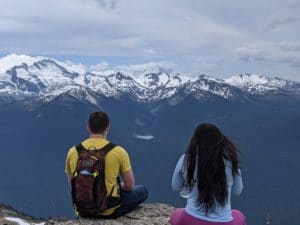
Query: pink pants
column 180, row 217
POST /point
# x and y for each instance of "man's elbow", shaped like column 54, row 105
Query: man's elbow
column 128, row 186
column 128, row 183
column 69, row 178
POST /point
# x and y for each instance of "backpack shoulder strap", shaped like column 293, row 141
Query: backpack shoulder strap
column 79, row 148
column 107, row 148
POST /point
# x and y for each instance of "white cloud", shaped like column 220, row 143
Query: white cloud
column 215, row 31
column 137, row 69
column 150, row 51
column 283, row 52
column 100, row 66
column 107, row 4
column 104, row 68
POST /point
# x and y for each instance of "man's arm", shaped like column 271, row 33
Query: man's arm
column 69, row 177
column 125, row 170
column 128, row 182
column 71, row 161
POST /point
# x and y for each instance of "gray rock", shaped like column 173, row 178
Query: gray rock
column 7, row 211
column 147, row 214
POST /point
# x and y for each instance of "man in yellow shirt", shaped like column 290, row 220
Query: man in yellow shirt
column 117, row 164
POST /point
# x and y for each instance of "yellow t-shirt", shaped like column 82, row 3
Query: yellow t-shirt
column 116, row 161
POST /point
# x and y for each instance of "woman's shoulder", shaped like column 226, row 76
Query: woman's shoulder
column 180, row 163
column 227, row 163
column 181, row 159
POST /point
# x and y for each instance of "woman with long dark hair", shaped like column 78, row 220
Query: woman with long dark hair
column 206, row 175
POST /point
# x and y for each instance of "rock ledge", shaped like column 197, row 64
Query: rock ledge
column 146, row 214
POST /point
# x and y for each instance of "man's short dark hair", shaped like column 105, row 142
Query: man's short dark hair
column 98, row 122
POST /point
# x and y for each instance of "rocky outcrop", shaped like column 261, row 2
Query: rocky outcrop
column 9, row 216
column 147, row 214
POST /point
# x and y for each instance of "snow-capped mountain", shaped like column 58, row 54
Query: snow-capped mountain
column 12, row 60
column 256, row 84
column 44, row 77
column 205, row 84
column 25, row 77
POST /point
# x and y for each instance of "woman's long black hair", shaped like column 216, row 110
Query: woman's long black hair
column 207, row 150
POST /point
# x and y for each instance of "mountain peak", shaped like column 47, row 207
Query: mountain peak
column 12, row 60
column 254, row 83
column 136, row 70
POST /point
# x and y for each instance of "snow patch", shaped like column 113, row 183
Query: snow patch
column 75, row 68
column 143, row 137
column 12, row 60
column 245, row 80
column 146, row 68
column 21, row 222
column 255, row 83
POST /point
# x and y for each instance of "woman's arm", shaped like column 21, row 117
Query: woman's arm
column 237, row 186
column 178, row 179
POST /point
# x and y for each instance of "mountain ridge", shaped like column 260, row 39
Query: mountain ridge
column 28, row 78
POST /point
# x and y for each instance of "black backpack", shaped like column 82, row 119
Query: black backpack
column 89, row 192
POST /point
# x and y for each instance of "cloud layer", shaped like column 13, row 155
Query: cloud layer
column 202, row 36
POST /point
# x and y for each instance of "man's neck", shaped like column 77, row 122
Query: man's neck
column 102, row 136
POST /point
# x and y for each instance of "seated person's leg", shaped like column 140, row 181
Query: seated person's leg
column 180, row 217
column 131, row 199
column 176, row 217
column 238, row 217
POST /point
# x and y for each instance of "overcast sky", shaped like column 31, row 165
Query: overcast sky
column 215, row 37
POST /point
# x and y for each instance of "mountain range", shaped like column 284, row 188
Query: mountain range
column 23, row 78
